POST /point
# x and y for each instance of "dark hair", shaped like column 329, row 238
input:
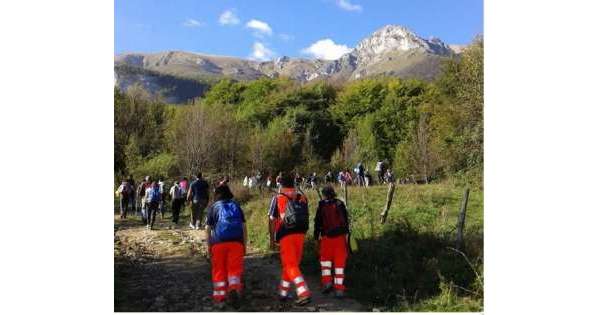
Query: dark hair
column 223, row 192
column 287, row 180
column 328, row 192
column 199, row 175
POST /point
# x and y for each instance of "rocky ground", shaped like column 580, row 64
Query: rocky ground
column 167, row 269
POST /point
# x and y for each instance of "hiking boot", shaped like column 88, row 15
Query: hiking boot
column 234, row 298
column 148, row 227
column 339, row 294
column 303, row 300
column 192, row 226
column 327, row 288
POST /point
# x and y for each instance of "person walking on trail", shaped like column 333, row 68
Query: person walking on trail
column 132, row 195
column 153, row 198
column 161, row 204
column 227, row 238
column 123, row 192
column 183, row 184
column 278, row 180
column 198, row 196
column 389, row 176
column 332, row 226
column 288, row 223
column 380, row 171
column 360, row 172
column 177, row 199
column 141, row 192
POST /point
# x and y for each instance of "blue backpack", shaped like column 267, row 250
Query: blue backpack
column 154, row 195
column 229, row 225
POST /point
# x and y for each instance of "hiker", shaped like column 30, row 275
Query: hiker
column 368, row 178
column 141, row 192
column 360, row 172
column 198, row 196
column 389, row 176
column 278, row 180
column 183, row 184
column 312, row 181
column 161, row 204
column 224, row 181
column 288, row 222
column 123, row 192
column 379, row 168
column 131, row 184
column 329, row 177
column 348, row 177
column 227, row 237
column 331, row 234
column 269, row 181
column 153, row 198
column 341, row 178
column 245, row 183
column 177, row 199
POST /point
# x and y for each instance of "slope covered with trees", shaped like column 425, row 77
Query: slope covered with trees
column 427, row 129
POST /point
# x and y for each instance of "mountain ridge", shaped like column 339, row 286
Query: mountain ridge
column 391, row 50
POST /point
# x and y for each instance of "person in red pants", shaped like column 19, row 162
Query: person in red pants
column 226, row 229
column 288, row 228
column 332, row 226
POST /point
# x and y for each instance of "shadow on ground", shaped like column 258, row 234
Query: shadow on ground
column 167, row 270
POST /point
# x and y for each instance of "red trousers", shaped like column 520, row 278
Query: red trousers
column 227, row 260
column 333, row 255
column 290, row 251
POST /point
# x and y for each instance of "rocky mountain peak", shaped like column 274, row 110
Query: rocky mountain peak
column 398, row 38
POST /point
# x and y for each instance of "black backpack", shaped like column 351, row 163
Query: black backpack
column 296, row 214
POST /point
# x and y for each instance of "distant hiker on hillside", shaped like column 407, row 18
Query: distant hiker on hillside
column 332, row 226
column 348, row 177
column 341, row 178
column 329, row 177
column 184, row 185
column 278, row 180
column 389, row 176
column 198, row 196
column 141, row 192
column 224, row 181
column 177, row 199
column 368, row 179
column 379, row 168
column 161, row 204
column 123, row 192
column 288, row 223
column 360, row 174
column 312, row 180
column 227, row 237
column 132, row 195
column 153, row 198
column 269, row 182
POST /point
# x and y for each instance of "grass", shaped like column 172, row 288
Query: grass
column 405, row 264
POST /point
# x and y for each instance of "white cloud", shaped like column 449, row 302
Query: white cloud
column 326, row 49
column 192, row 23
column 286, row 37
column 348, row 6
column 228, row 18
column 261, row 28
column 261, row 52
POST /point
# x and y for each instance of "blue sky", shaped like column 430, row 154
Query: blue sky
column 264, row 29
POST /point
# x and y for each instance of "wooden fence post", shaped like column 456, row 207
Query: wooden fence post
column 345, row 195
column 460, row 225
column 388, row 203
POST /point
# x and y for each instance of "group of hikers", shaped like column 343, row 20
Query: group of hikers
column 288, row 216
column 151, row 197
column 361, row 177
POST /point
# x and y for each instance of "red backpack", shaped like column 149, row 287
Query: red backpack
column 333, row 219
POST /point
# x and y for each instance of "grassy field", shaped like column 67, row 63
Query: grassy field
column 408, row 263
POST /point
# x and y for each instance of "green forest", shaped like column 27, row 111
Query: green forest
column 432, row 130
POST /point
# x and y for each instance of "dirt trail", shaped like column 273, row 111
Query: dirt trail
column 167, row 270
